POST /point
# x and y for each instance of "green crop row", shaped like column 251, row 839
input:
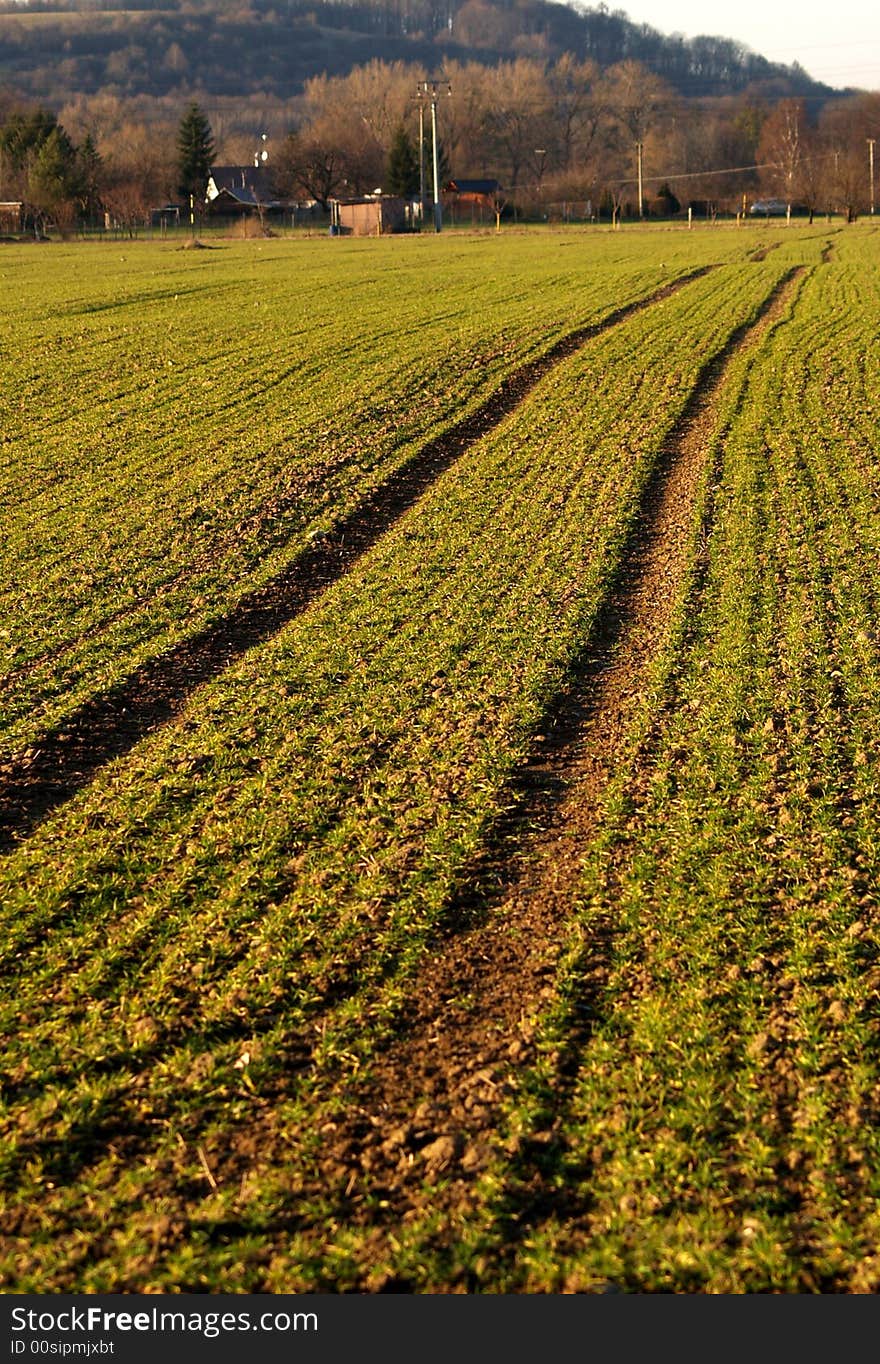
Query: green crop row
column 726, row 1102
column 268, row 872
column 175, row 427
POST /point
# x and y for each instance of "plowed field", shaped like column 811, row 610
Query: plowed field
column 439, row 762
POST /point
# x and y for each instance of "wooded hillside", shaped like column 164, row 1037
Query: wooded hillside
column 60, row 50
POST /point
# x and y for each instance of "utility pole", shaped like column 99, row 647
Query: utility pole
column 429, row 89
column 438, row 207
column 871, row 141
column 541, row 153
column 641, row 201
column 421, row 162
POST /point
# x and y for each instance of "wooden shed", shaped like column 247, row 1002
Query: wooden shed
column 474, row 199
column 374, row 215
column 11, row 217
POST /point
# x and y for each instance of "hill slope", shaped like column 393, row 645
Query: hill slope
column 58, row 51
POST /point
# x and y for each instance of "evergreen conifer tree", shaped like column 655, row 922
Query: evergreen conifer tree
column 52, row 180
column 402, row 176
column 89, row 174
column 195, row 153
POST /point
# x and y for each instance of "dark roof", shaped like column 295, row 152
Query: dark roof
column 245, row 184
column 473, row 186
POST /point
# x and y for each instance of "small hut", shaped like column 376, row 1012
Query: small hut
column 11, row 218
column 374, row 215
column 476, row 199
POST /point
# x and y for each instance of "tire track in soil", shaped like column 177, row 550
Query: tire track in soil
column 436, row 1092
column 65, row 759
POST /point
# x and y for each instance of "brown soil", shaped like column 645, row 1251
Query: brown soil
column 65, row 759
column 433, row 1102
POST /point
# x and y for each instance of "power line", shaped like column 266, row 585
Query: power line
column 699, row 174
column 733, row 170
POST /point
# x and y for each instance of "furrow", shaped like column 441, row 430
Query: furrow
column 435, row 1094
column 67, row 757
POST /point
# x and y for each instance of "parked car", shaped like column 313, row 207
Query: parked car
column 772, row 208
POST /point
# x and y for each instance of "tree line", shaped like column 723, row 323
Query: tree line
column 549, row 132
column 63, row 183
column 572, row 130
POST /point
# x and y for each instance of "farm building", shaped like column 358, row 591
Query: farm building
column 11, row 217
column 474, row 199
column 473, row 191
column 370, row 216
column 240, row 191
